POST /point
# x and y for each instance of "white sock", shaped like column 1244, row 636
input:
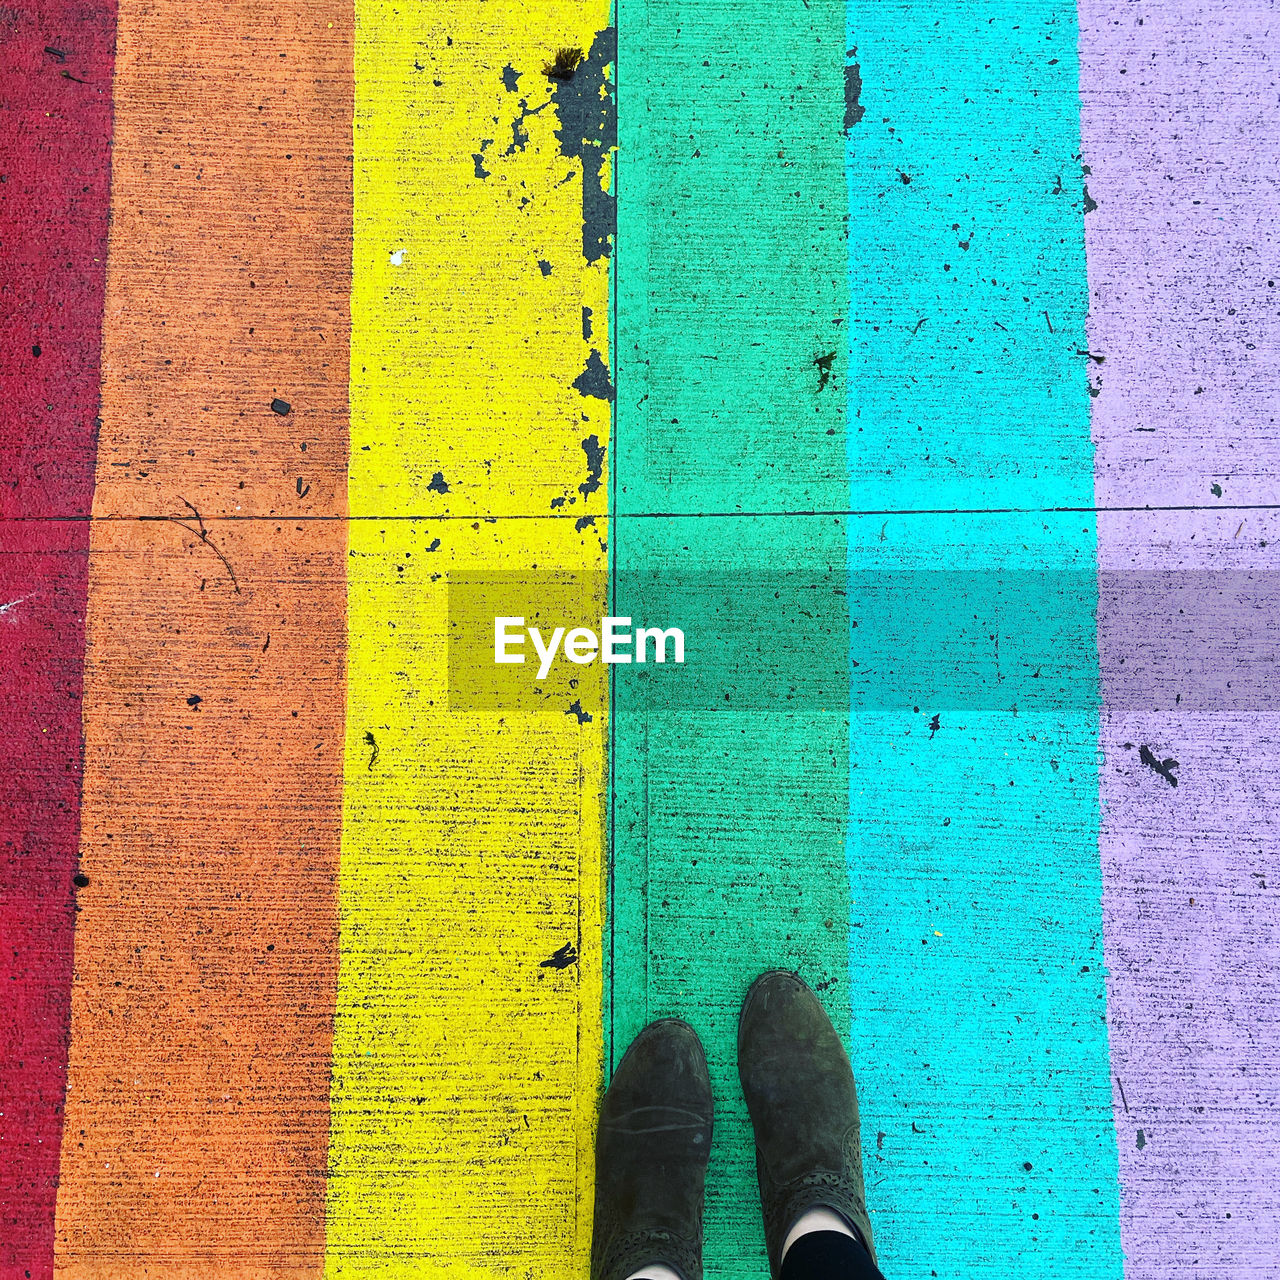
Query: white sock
column 816, row 1220
column 655, row 1271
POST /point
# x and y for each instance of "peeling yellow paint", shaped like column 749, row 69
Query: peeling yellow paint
column 465, row 1071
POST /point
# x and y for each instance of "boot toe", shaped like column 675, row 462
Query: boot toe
column 666, row 1055
column 781, row 998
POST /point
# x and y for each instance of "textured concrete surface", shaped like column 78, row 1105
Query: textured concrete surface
column 919, row 363
column 1176, row 120
column 55, row 126
column 466, row 1057
column 728, row 811
column 196, row 1137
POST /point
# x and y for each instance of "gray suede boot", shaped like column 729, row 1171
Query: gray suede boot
column 652, row 1147
column 799, row 1090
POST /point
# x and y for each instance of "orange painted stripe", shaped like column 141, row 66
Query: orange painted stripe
column 196, row 1131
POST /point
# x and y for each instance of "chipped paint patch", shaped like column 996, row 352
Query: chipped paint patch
column 853, row 108
column 588, row 130
column 594, row 379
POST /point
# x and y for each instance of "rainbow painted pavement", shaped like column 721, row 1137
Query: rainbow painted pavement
column 310, row 310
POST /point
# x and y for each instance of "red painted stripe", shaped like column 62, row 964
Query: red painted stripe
column 55, row 125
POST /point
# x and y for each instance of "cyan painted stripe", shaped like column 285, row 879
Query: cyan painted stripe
column 977, row 988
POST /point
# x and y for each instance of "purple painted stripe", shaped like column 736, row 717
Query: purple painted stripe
column 1183, row 162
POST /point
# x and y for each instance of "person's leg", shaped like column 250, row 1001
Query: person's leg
column 803, row 1104
column 652, row 1145
column 828, row 1255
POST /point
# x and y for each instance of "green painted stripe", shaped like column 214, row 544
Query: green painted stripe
column 729, row 807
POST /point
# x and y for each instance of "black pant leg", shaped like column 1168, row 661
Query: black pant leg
column 828, row 1255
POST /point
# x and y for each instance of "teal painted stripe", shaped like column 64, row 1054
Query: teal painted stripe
column 729, row 793
column 977, row 986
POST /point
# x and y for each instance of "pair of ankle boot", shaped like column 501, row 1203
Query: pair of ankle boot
column 654, row 1135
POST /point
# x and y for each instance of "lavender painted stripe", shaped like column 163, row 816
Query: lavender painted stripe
column 1178, row 133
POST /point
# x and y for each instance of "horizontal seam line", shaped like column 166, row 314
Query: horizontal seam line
column 654, row 515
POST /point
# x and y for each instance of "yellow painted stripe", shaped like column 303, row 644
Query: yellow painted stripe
column 465, row 1072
